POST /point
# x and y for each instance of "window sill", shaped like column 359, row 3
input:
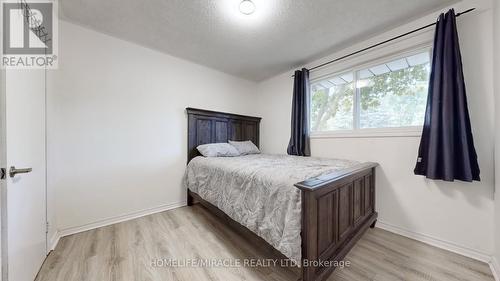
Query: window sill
column 369, row 133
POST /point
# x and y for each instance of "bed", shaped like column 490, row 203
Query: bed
column 310, row 210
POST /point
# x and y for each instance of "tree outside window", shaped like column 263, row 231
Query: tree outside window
column 388, row 95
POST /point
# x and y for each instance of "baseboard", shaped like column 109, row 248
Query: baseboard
column 54, row 240
column 109, row 221
column 436, row 242
column 495, row 268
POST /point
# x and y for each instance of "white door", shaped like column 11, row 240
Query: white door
column 26, row 190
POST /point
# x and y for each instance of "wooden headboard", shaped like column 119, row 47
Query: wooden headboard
column 205, row 126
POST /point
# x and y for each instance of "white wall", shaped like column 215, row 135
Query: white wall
column 117, row 125
column 457, row 215
column 497, row 139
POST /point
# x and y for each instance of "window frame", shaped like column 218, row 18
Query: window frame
column 357, row 132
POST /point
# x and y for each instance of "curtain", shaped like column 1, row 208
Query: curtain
column 299, row 139
column 446, row 149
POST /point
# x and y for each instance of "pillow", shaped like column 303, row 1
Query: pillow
column 217, row 150
column 245, row 147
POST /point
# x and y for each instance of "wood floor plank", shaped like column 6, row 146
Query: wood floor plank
column 130, row 251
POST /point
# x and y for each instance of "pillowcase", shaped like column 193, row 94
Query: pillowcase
column 217, row 150
column 245, row 147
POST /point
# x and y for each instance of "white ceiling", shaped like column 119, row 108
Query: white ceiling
column 280, row 35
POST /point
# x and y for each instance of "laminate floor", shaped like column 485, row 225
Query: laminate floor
column 160, row 247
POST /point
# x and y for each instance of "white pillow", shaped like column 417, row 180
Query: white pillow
column 217, row 150
column 245, row 147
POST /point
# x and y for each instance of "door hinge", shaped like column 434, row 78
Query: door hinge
column 3, row 173
column 46, row 227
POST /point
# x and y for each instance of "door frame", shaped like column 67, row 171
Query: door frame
column 3, row 183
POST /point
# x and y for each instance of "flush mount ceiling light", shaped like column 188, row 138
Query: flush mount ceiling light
column 247, row 7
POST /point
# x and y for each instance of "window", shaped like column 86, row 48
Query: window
column 392, row 94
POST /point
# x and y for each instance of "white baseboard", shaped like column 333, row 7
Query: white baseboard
column 109, row 221
column 436, row 242
column 495, row 268
column 54, row 240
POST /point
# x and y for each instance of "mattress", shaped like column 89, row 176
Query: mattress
column 258, row 192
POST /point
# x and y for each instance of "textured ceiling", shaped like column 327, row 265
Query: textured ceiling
column 281, row 34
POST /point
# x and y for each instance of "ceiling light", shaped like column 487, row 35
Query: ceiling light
column 247, row 7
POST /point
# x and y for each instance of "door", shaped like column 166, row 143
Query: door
column 25, row 207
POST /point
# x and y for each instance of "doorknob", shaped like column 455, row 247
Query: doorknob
column 13, row 171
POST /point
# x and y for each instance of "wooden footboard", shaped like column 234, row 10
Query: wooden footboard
column 336, row 210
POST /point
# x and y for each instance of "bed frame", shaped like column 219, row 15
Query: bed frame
column 336, row 208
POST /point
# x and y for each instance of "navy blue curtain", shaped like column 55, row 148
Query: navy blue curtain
column 299, row 139
column 446, row 149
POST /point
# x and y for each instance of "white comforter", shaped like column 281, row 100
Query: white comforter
column 258, row 192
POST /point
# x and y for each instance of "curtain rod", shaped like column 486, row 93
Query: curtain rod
column 383, row 42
